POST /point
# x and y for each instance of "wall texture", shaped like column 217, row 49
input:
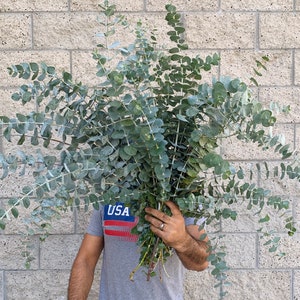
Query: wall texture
column 63, row 33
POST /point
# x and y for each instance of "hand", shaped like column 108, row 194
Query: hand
column 171, row 229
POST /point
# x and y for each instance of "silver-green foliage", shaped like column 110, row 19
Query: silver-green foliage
column 149, row 132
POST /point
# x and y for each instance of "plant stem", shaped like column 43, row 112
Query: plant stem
column 152, row 262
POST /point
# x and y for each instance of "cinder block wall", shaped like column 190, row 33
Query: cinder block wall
column 63, row 33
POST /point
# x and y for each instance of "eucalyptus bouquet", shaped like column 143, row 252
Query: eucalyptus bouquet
column 150, row 131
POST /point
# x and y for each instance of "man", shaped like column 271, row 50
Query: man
column 109, row 230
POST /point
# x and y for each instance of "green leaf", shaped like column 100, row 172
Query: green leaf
column 16, row 96
column 21, row 140
column 59, row 119
column 107, row 150
column 2, row 225
column 35, row 69
column 49, row 161
column 67, row 77
column 130, row 150
column 219, row 92
column 252, row 79
column 180, row 29
column 51, row 70
column 192, row 112
column 273, row 248
column 174, row 50
column 26, row 202
column 212, row 160
column 2, row 213
column 15, row 212
column 176, row 57
column 34, row 139
column 257, row 72
column 181, row 118
column 265, row 219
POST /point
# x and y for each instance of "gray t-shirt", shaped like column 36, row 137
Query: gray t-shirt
column 121, row 256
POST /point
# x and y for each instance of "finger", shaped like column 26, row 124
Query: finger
column 160, row 233
column 154, row 221
column 157, row 214
column 173, row 207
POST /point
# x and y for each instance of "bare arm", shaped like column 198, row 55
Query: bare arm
column 82, row 273
column 193, row 253
column 185, row 240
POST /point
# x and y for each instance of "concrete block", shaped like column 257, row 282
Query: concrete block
column 288, row 245
column 17, row 26
column 65, row 224
column 151, row 21
column 12, row 185
column 83, row 219
column 296, row 285
column 60, row 59
column 15, row 226
column 12, row 247
column 125, row 36
column 78, row 30
column 9, row 107
column 259, row 285
column 36, row 285
column 12, row 147
column 297, row 141
column 257, row 5
column 284, row 97
column 285, row 187
column 43, row 284
column 183, row 5
column 25, row 5
column 241, row 63
column 279, row 30
column 229, row 31
column 92, row 5
column 296, row 210
column 234, row 149
column 207, row 76
column 200, row 285
column 1, row 285
column 84, row 68
column 65, row 30
column 59, row 251
column 297, row 68
column 240, row 250
column 248, row 220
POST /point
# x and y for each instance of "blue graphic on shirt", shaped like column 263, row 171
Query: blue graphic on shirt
column 118, row 222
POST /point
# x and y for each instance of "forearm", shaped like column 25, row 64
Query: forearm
column 81, row 280
column 193, row 253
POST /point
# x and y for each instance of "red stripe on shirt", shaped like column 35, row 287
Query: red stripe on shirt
column 119, row 223
column 126, row 234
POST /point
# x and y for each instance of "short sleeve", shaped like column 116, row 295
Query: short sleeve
column 193, row 221
column 95, row 225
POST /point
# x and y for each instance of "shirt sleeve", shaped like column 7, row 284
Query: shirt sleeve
column 95, row 225
column 193, row 221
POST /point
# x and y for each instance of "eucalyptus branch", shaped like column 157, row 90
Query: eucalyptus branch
column 150, row 131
